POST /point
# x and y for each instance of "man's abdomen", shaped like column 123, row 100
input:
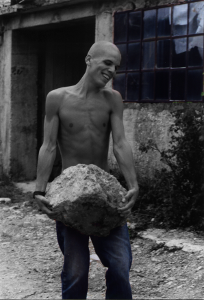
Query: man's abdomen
column 85, row 149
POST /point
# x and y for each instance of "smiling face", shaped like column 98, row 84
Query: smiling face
column 102, row 62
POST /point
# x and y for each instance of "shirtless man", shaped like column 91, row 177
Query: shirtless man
column 80, row 118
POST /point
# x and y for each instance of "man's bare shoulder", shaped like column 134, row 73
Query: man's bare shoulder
column 56, row 97
column 60, row 92
column 114, row 97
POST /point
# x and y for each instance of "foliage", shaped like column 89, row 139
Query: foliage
column 175, row 194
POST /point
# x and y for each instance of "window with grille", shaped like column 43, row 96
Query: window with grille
column 162, row 53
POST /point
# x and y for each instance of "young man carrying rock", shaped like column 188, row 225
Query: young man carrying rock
column 80, row 119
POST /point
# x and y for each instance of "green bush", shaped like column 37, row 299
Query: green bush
column 175, row 194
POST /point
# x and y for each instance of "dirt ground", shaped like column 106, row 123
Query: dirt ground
column 31, row 261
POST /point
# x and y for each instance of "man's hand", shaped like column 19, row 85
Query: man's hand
column 44, row 206
column 131, row 198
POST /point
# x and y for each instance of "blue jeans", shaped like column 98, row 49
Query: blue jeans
column 114, row 252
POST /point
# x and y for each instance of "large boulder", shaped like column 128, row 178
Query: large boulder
column 86, row 198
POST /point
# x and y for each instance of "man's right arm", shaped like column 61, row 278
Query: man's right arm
column 47, row 151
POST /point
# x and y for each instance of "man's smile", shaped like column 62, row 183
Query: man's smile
column 107, row 77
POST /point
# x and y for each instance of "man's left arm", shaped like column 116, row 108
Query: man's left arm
column 123, row 153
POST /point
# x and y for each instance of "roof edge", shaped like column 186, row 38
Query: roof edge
column 30, row 6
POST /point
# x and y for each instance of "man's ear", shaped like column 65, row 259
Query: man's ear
column 88, row 60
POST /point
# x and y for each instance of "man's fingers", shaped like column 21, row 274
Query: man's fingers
column 126, row 207
column 130, row 197
column 41, row 201
column 47, row 203
column 127, row 197
column 45, row 210
column 125, row 213
column 45, row 207
column 49, row 213
column 129, row 194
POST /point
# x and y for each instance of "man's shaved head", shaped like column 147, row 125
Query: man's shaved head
column 100, row 47
column 102, row 61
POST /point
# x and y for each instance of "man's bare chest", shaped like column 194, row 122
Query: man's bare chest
column 81, row 116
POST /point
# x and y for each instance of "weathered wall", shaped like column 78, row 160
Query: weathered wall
column 24, row 106
column 143, row 122
column 5, row 103
column 51, row 17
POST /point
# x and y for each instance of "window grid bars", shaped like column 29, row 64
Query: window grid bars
column 155, row 69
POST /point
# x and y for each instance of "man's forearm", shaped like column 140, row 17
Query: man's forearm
column 124, row 157
column 46, row 160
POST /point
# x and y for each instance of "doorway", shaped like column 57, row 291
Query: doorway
column 62, row 53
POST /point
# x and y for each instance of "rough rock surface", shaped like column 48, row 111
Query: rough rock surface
column 86, row 198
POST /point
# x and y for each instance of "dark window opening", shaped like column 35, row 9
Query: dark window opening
column 162, row 53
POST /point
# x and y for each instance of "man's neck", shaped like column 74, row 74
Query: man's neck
column 85, row 87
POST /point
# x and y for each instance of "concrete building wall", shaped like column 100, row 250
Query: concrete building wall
column 5, row 103
column 24, row 105
column 143, row 122
column 18, row 105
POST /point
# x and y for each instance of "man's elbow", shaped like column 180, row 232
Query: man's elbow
column 118, row 147
column 49, row 147
column 121, row 146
